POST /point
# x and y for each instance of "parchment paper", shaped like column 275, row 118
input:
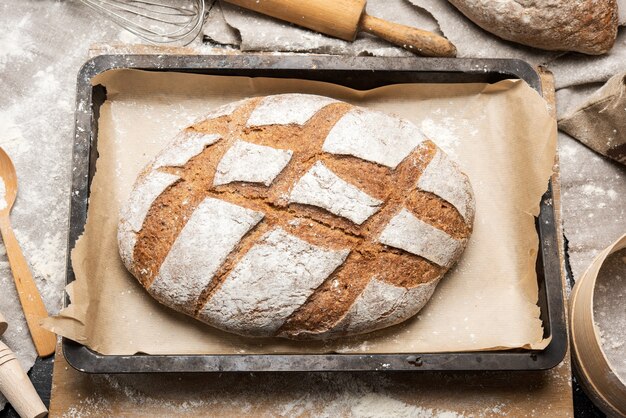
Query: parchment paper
column 501, row 134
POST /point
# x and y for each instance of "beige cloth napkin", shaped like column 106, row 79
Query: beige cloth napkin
column 600, row 122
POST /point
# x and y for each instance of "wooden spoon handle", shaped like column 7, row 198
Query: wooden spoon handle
column 418, row 41
column 34, row 309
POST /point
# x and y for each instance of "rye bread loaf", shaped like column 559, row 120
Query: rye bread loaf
column 296, row 216
column 587, row 26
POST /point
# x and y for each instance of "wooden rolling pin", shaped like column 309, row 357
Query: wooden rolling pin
column 15, row 384
column 345, row 18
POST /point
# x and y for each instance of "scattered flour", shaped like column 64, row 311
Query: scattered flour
column 448, row 132
column 11, row 134
column 14, row 44
column 374, row 405
column 128, row 37
column 590, row 186
column 264, row 395
column 46, row 82
column 591, row 190
column 441, row 134
column 46, row 258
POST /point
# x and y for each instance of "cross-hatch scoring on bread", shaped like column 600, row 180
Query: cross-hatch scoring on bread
column 296, row 216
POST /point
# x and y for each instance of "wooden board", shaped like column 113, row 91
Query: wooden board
column 541, row 394
column 538, row 394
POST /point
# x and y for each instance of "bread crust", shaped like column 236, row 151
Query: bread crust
column 587, row 26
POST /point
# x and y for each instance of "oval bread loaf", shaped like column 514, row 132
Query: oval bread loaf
column 296, row 216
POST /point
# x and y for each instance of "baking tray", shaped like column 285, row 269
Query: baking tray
column 357, row 73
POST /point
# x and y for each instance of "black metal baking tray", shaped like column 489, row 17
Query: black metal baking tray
column 354, row 72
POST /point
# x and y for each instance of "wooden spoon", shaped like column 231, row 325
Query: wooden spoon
column 34, row 309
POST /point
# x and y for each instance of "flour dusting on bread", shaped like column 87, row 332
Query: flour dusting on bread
column 274, row 278
column 251, row 163
column 213, row 231
column 186, row 146
column 409, row 233
column 373, row 136
column 441, row 178
column 285, row 109
column 323, row 188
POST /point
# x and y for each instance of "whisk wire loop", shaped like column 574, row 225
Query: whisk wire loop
column 157, row 22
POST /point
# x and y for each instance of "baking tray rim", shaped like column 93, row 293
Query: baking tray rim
column 86, row 360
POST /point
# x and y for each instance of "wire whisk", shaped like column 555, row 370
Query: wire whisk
column 155, row 21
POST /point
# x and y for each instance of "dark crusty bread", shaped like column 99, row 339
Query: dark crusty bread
column 588, row 26
column 296, row 216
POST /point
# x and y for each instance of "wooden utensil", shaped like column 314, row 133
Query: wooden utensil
column 34, row 309
column 345, row 18
column 15, row 384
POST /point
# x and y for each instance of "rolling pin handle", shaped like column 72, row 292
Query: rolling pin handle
column 418, row 41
